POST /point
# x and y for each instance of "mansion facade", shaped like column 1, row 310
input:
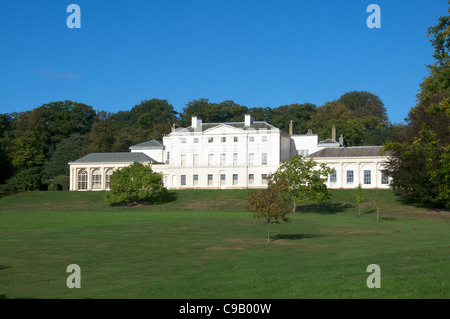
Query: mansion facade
column 232, row 155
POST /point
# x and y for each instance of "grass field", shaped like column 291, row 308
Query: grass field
column 204, row 244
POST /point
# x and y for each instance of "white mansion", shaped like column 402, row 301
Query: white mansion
column 232, row 155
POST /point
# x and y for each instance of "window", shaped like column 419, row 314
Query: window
column 195, row 179
column 235, row 139
column 251, row 139
column 168, row 158
column 183, row 159
column 367, row 177
column 223, row 159
column 264, row 138
column 264, row 179
column 166, row 180
column 195, row 139
column 195, row 159
column 223, row 179
column 349, row 177
column 82, row 180
column 251, row 179
column 97, row 179
column 235, row 158
column 384, row 178
column 333, row 177
column 210, row 179
column 210, row 159
column 210, row 139
column 183, row 180
column 183, row 140
column 264, row 159
column 251, row 159
column 235, row 179
column 108, row 177
column 223, row 139
column 303, row 153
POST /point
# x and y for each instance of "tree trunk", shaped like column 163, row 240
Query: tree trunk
column 359, row 210
column 268, row 231
column 378, row 215
column 295, row 207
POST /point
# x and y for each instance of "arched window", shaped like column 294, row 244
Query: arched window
column 82, row 180
column 108, row 177
column 96, row 179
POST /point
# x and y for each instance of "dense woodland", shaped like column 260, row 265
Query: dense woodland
column 36, row 145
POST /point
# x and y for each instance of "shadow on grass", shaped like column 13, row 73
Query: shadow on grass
column 170, row 197
column 295, row 236
column 4, row 267
column 324, row 208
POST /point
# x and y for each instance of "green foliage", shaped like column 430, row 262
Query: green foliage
column 271, row 204
column 355, row 114
column 419, row 163
column 305, row 179
column 360, row 197
column 60, row 183
column 136, row 183
column 68, row 150
column 26, row 179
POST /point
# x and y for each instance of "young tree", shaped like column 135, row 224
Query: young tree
column 272, row 204
column 359, row 197
column 135, row 183
column 305, row 178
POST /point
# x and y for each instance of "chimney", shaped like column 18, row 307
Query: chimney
column 341, row 140
column 291, row 127
column 333, row 133
column 248, row 119
column 174, row 126
column 196, row 122
column 310, row 131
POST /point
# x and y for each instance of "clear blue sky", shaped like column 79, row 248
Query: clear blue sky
column 254, row 52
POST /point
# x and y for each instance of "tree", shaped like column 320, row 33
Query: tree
column 420, row 159
column 136, row 183
column 271, row 204
column 69, row 149
column 305, row 179
column 355, row 115
column 359, row 197
column 300, row 114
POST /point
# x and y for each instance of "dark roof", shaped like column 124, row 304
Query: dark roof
column 354, row 151
column 147, row 145
column 256, row 125
column 118, row 157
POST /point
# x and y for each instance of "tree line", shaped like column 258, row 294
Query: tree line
column 36, row 145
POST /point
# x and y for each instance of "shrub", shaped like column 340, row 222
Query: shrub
column 136, row 183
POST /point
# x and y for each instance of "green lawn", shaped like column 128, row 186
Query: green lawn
column 204, row 244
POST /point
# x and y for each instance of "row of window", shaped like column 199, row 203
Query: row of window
column 223, row 159
column 223, row 139
column 367, row 177
column 223, row 179
column 96, row 179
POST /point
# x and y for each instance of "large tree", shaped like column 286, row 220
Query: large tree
column 355, row 114
column 420, row 159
